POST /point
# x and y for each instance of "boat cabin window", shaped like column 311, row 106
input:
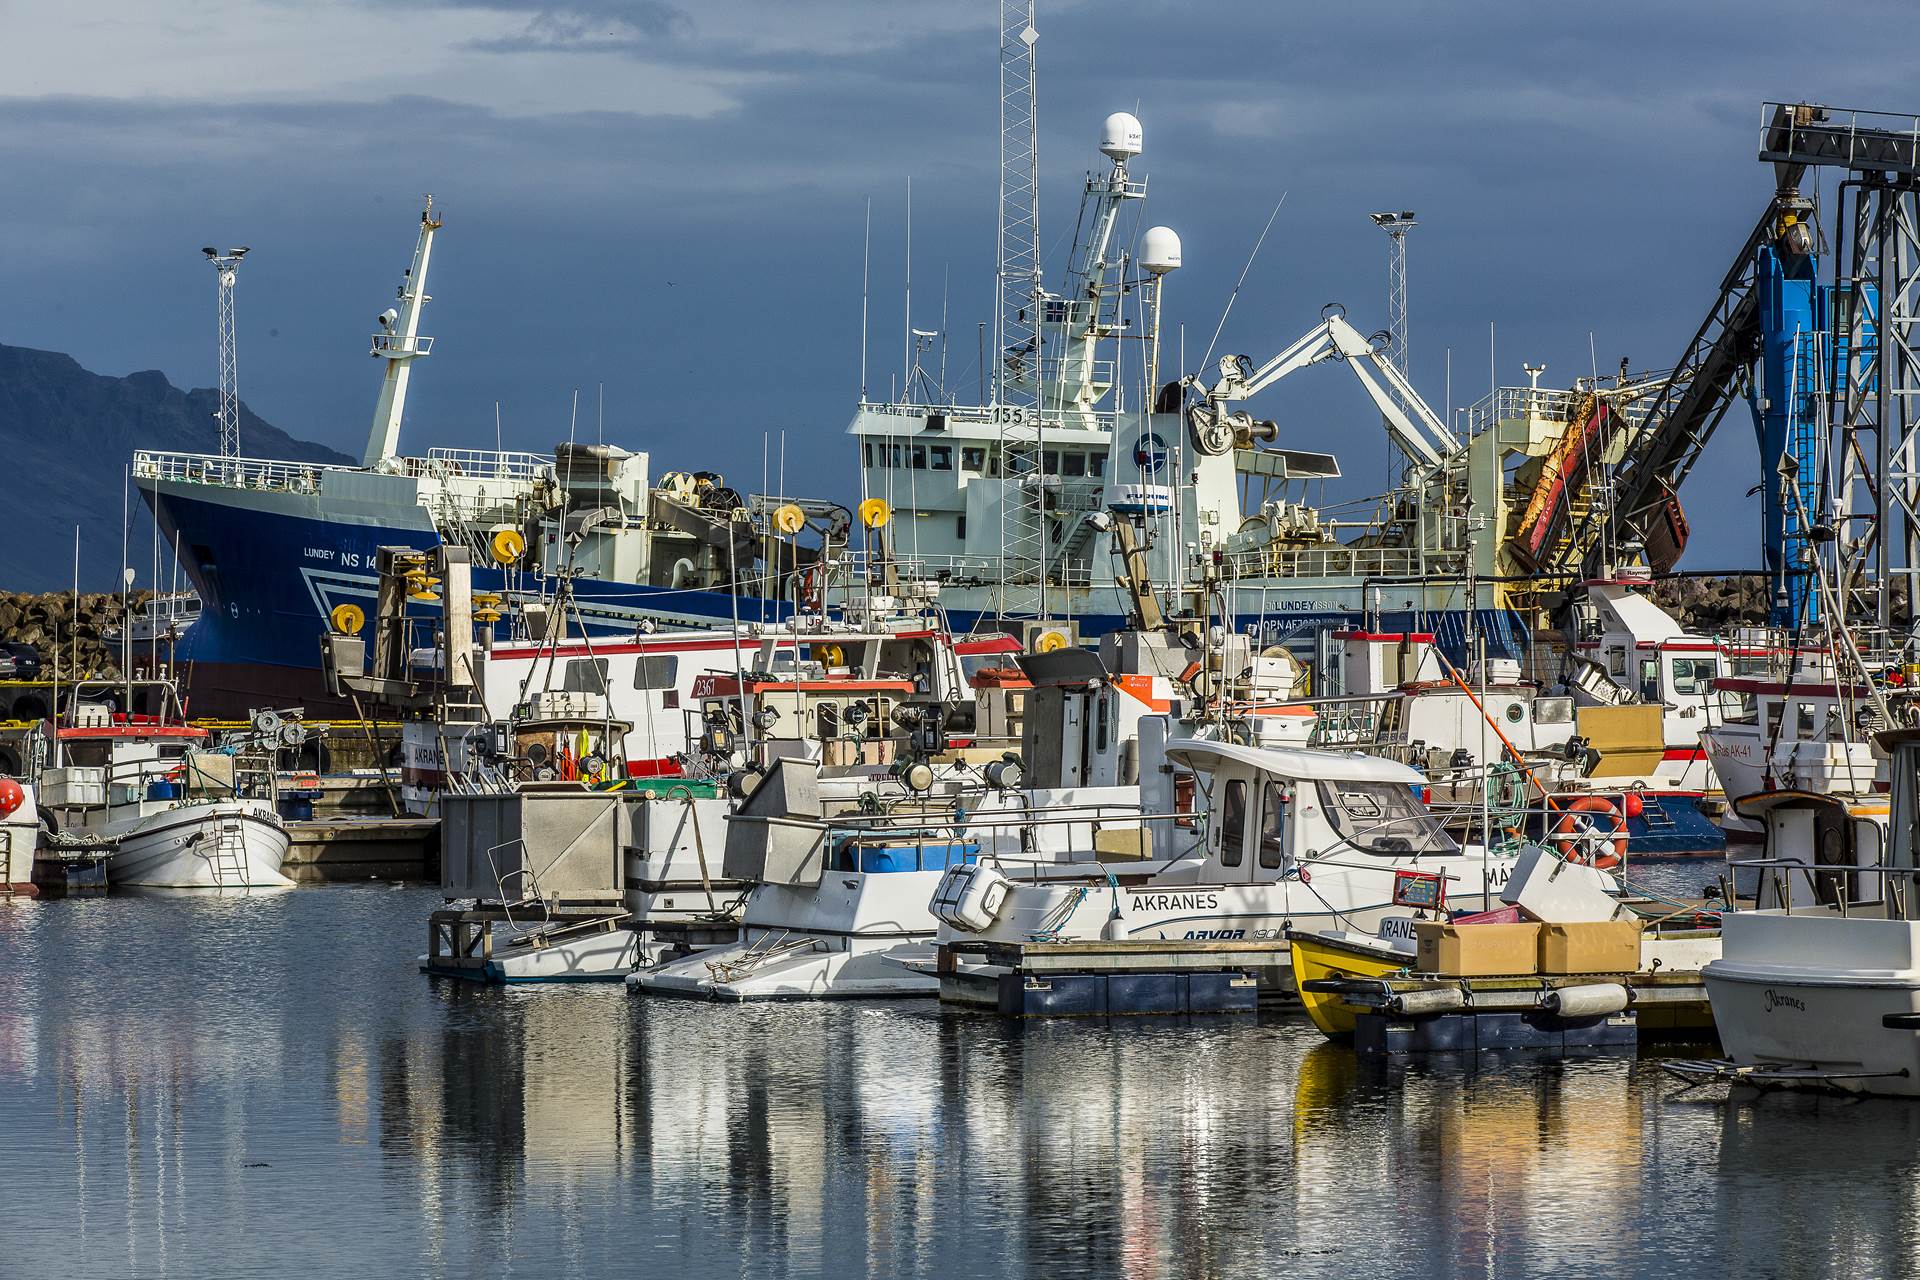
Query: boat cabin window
column 1650, row 679
column 940, row 457
column 1097, row 464
column 656, row 671
column 1694, row 676
column 1073, row 464
column 88, row 755
column 917, row 455
column 1616, row 661
column 973, row 459
column 1803, row 720
column 1383, row 818
column 1273, row 830
column 584, row 675
column 1233, row 823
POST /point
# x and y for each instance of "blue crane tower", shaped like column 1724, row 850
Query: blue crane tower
column 1832, row 382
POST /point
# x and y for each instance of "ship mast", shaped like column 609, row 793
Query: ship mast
column 400, row 344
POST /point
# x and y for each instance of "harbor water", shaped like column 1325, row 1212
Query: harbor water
column 265, row 1086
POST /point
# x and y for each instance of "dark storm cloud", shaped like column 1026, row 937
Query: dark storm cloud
column 697, row 247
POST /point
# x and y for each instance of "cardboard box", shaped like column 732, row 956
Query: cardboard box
column 1611, row 946
column 1552, row 890
column 1476, row 950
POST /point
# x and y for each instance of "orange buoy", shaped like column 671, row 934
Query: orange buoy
column 1569, row 833
column 12, row 796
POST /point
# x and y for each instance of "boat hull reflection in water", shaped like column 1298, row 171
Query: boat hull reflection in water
column 284, row 1096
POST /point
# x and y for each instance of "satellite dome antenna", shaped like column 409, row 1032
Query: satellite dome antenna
column 1120, row 137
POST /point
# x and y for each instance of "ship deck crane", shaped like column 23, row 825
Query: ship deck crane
column 1821, row 363
column 1415, row 427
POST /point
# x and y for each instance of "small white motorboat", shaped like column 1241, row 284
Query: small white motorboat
column 130, row 770
column 1818, row 986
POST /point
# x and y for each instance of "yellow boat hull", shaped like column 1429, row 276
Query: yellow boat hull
column 1316, row 957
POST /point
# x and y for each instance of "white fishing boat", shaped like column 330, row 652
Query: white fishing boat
column 1276, row 839
column 1818, row 985
column 128, row 769
column 1802, row 726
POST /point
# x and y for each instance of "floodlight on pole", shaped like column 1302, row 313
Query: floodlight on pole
column 227, row 414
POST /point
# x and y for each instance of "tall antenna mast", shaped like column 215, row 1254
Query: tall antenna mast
column 1017, row 340
column 400, row 342
column 227, row 414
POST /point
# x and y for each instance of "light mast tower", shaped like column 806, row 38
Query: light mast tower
column 1017, row 328
column 227, row 265
column 1396, row 225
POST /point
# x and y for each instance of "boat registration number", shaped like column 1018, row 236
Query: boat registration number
column 1397, row 927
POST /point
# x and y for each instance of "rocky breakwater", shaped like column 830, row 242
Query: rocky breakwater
column 83, row 630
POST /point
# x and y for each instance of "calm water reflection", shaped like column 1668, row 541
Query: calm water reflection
column 193, row 1087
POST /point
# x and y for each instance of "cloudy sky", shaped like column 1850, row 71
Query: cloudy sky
column 661, row 201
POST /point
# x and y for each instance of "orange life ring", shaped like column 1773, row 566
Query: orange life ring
column 1568, row 833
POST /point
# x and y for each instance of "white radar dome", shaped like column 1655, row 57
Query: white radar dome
column 1120, row 137
column 1160, row 251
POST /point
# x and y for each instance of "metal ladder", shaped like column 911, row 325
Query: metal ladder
column 229, row 855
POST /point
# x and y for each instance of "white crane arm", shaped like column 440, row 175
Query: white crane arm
column 1421, row 434
column 1350, row 342
column 1314, row 346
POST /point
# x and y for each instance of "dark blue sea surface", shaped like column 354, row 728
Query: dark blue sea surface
column 200, row 1086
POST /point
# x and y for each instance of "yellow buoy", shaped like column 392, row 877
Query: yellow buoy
column 789, row 518
column 347, row 619
column 508, row 546
column 874, row 513
column 1049, row 642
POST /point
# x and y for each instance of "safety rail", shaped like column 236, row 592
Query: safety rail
column 1092, row 817
column 1334, row 561
column 954, row 568
column 1508, row 404
column 481, row 464
column 305, row 477
column 231, row 473
column 1806, row 133
column 401, row 344
column 1018, row 419
column 1830, row 877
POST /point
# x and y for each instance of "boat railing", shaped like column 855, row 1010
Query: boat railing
column 231, row 473
column 1336, row 560
column 281, row 475
column 1518, row 404
column 481, row 464
column 956, row 568
column 1828, row 882
column 401, row 344
column 1004, row 415
column 1062, row 822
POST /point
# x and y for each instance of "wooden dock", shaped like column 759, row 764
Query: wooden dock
column 325, row 850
